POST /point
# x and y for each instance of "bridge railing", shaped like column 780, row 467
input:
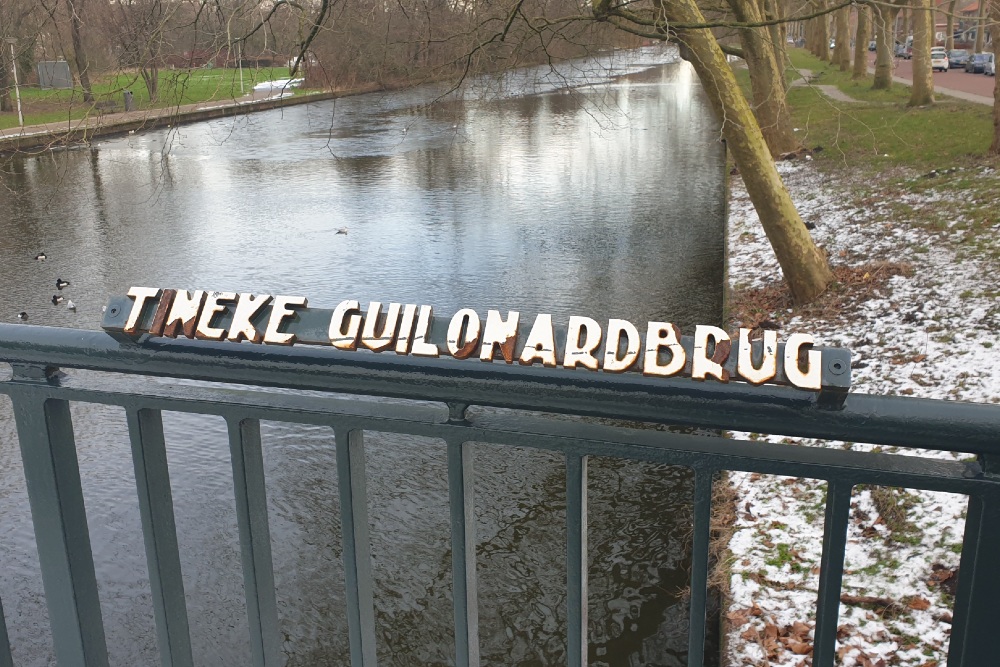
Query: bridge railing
column 41, row 395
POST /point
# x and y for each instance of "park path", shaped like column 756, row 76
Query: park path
column 970, row 89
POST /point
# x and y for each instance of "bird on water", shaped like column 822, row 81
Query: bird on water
column 22, row 315
column 40, row 256
column 56, row 299
column 71, row 305
column 342, row 230
column 60, row 283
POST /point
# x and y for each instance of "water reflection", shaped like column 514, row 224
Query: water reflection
column 605, row 200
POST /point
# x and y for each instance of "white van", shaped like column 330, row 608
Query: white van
column 939, row 59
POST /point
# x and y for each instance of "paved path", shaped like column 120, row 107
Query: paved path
column 956, row 83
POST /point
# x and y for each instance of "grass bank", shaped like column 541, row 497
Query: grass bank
column 906, row 204
column 927, row 167
column 879, row 130
column 176, row 87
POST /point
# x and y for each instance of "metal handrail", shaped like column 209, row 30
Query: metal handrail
column 886, row 420
column 41, row 394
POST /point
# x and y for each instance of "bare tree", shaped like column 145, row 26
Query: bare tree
column 884, row 20
column 75, row 7
column 922, row 91
column 138, row 33
column 842, row 47
column 17, row 22
column 861, row 39
column 760, row 49
column 995, row 19
column 949, row 42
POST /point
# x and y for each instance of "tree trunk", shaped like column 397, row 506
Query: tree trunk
column 842, row 48
column 5, row 85
column 778, row 33
column 79, row 54
column 949, row 42
column 151, row 77
column 861, row 39
column 995, row 14
column 981, row 26
column 823, row 38
column 770, row 104
column 804, row 266
column 922, row 92
column 884, row 19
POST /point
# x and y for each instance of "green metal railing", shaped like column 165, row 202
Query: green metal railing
column 41, row 396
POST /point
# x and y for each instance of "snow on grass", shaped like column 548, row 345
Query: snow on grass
column 929, row 334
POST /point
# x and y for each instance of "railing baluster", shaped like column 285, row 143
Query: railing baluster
column 52, row 475
column 156, row 508
column 357, row 546
column 974, row 626
column 699, row 566
column 463, row 553
column 255, row 541
column 5, row 658
column 831, row 574
column 576, row 559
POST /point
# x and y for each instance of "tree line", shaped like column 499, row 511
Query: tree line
column 336, row 43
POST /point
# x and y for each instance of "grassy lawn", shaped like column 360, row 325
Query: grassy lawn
column 176, row 87
column 880, row 130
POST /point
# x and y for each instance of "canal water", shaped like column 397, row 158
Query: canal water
column 596, row 189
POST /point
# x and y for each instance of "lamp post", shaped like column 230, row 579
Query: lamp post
column 17, row 90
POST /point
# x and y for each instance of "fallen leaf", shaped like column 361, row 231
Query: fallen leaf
column 800, row 630
column 800, row 648
column 919, row 603
column 739, row 617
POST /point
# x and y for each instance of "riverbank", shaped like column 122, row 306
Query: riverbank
column 918, row 306
column 48, row 135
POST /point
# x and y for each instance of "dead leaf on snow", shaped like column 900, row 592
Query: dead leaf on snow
column 800, row 648
column 739, row 617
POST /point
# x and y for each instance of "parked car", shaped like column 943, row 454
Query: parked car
column 939, row 59
column 958, row 58
column 990, row 66
column 833, row 43
column 871, row 45
column 977, row 63
column 899, row 50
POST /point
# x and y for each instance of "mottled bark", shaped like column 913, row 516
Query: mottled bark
column 822, row 34
column 995, row 20
column 949, row 42
column 922, row 91
column 861, row 39
column 770, row 104
column 804, row 266
column 778, row 33
column 842, row 47
column 884, row 20
column 5, row 85
column 981, row 26
column 79, row 53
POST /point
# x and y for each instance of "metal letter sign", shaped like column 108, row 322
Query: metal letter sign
column 656, row 350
